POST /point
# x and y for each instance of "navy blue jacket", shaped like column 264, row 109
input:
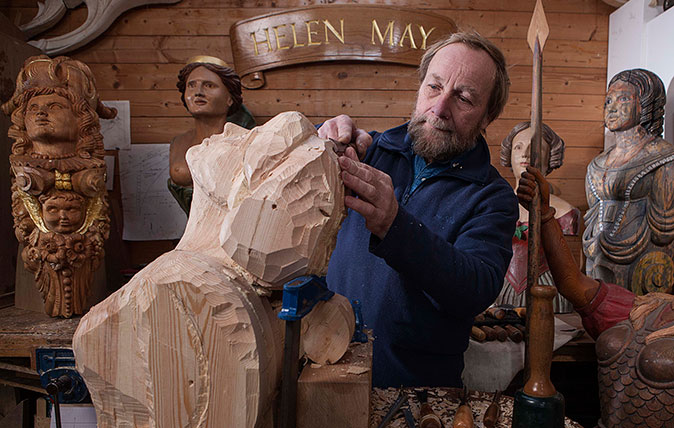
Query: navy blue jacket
column 441, row 263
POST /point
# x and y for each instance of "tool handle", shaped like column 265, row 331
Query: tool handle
column 492, row 413
column 514, row 333
column 463, row 417
column 501, row 334
column 496, row 313
column 541, row 340
column 428, row 418
column 478, row 334
column 489, row 331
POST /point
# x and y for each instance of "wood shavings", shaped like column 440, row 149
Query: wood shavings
column 357, row 370
column 444, row 401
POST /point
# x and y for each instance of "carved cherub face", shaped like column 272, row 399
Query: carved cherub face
column 521, row 152
column 205, row 94
column 621, row 108
column 63, row 213
column 49, row 118
column 279, row 189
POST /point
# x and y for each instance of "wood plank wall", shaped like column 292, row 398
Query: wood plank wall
column 139, row 56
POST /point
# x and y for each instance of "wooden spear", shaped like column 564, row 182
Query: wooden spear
column 538, row 404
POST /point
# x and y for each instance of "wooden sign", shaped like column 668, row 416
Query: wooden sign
column 330, row 33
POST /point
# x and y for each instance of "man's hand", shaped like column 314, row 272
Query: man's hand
column 376, row 202
column 527, row 189
column 343, row 130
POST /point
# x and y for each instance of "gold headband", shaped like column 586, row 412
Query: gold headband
column 208, row 60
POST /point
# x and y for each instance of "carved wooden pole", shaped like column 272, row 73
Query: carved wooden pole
column 539, row 404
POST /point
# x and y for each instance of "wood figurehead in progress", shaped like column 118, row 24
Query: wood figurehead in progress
column 59, row 201
column 629, row 235
column 192, row 340
column 211, row 92
column 516, row 153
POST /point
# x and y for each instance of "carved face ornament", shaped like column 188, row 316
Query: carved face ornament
column 63, row 215
column 521, row 152
column 621, row 108
column 205, row 94
column 50, row 119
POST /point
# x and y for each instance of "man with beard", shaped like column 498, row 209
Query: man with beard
column 430, row 240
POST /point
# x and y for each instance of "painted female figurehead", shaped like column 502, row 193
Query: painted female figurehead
column 211, row 92
column 59, row 201
column 516, row 153
column 629, row 187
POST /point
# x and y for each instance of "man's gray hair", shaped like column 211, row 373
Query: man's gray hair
column 499, row 94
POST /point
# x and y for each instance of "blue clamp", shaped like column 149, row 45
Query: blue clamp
column 358, row 333
column 301, row 294
column 54, row 363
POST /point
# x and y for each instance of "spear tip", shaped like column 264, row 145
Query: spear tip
column 538, row 28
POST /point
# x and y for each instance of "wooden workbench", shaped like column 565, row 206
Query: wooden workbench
column 21, row 333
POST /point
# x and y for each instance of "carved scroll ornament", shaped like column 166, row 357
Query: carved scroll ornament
column 59, row 200
column 100, row 15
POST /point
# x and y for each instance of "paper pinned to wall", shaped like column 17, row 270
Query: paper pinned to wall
column 150, row 212
column 117, row 132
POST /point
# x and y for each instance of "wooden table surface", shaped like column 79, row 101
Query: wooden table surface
column 22, row 332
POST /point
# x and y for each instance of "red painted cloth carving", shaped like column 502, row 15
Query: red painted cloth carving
column 611, row 305
column 517, row 270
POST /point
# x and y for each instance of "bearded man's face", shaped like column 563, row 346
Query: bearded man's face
column 452, row 103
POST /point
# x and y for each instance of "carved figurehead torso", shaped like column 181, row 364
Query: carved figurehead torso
column 191, row 338
column 629, row 235
column 516, row 153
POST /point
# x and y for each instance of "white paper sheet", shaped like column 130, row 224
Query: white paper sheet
column 75, row 416
column 150, row 212
column 117, row 132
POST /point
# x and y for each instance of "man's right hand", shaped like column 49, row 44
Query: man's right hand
column 527, row 189
column 342, row 129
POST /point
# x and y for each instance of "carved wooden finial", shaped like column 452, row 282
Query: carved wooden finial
column 538, row 28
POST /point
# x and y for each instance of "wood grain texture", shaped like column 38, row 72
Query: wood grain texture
column 188, row 341
column 337, row 395
column 327, row 330
column 135, row 55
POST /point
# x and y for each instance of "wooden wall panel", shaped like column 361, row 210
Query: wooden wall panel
column 139, row 56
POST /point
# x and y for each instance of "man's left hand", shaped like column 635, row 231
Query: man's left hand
column 376, row 201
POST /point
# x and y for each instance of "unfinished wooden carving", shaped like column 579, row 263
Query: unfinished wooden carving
column 629, row 235
column 190, row 341
column 59, row 201
column 516, row 153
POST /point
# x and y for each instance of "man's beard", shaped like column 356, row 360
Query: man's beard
column 439, row 143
